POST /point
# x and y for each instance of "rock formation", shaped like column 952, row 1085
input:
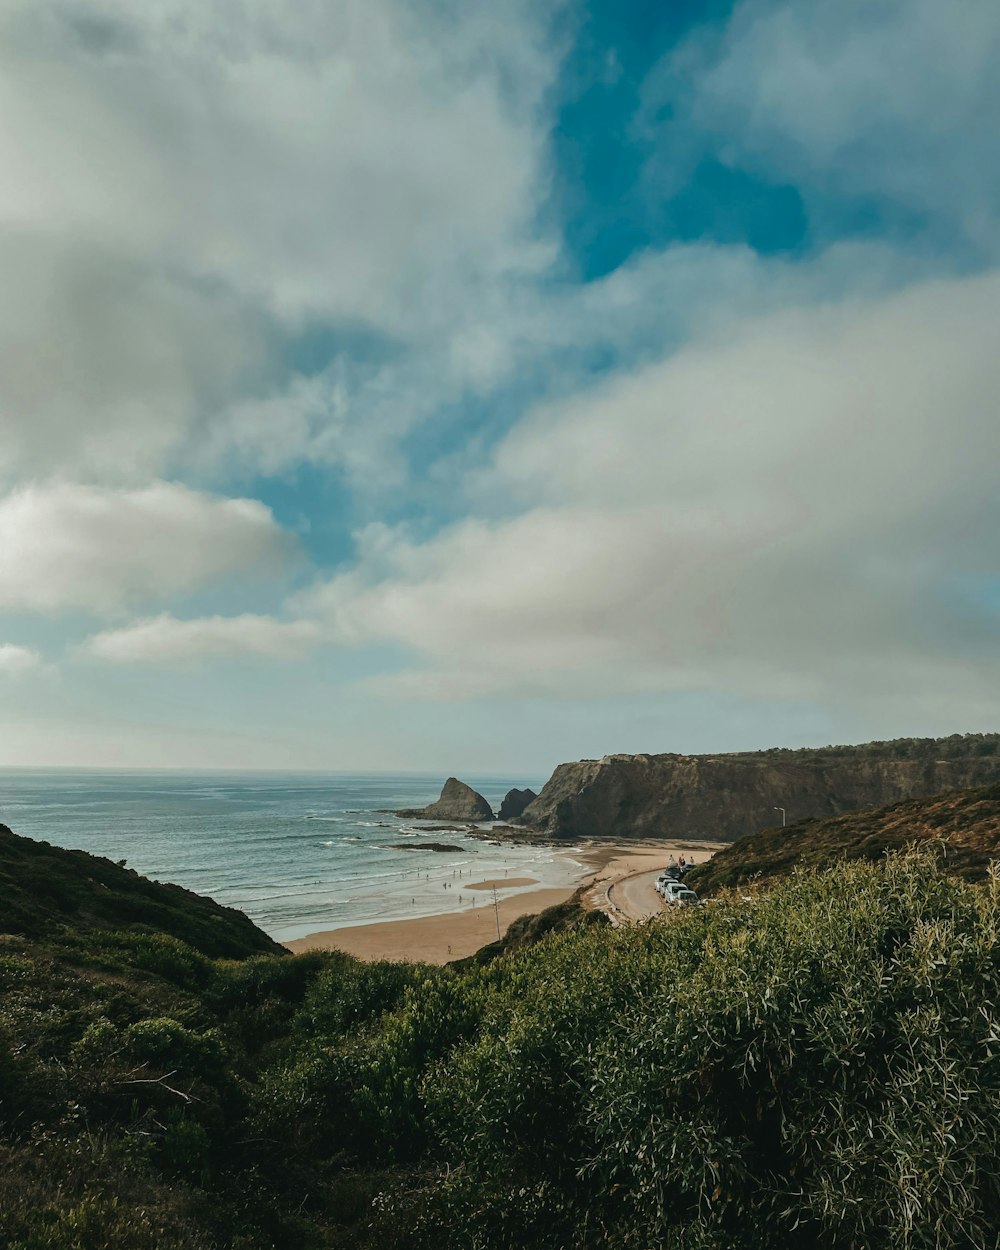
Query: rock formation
column 457, row 802
column 514, row 803
column 723, row 797
column 442, row 847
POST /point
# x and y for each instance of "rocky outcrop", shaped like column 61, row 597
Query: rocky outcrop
column 442, row 847
column 723, row 797
column 457, row 802
column 514, row 803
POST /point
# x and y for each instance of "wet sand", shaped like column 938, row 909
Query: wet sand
column 474, row 922
column 501, row 883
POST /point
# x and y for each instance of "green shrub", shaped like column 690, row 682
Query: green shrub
column 818, row 1068
column 348, row 995
column 164, row 956
column 160, row 1043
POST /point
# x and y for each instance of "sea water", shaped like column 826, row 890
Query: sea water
column 296, row 852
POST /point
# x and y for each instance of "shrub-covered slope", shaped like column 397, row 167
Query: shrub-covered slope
column 817, row 1069
column 965, row 822
column 45, row 889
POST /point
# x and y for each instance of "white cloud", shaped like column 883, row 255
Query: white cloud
column 182, row 179
column 805, row 508
column 165, row 639
column 65, row 546
column 103, row 364
column 15, row 660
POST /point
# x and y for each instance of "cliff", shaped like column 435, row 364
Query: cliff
column 724, row 797
column 965, row 824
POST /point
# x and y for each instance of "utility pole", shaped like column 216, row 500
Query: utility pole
column 782, row 810
column 496, row 911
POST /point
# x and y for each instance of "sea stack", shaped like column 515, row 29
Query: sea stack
column 514, row 803
column 457, row 802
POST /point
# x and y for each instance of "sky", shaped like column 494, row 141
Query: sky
column 439, row 385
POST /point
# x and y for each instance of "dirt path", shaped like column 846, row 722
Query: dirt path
column 636, row 897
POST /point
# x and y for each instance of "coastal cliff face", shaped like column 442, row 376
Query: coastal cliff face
column 723, row 797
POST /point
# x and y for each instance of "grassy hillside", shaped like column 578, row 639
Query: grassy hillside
column 45, row 890
column 964, row 823
column 819, row 1070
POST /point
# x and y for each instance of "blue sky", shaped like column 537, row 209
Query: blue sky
column 422, row 385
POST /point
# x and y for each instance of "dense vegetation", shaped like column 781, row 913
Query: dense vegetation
column 964, row 824
column 954, row 747
column 816, row 1068
column 44, row 889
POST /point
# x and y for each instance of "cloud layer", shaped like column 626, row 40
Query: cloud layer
column 775, row 511
column 67, row 547
column 15, row 660
column 165, row 639
column 327, row 256
column 229, row 178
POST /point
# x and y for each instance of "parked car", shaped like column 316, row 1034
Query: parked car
column 683, row 898
column 670, row 888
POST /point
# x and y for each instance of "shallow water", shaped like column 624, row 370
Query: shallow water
column 297, row 852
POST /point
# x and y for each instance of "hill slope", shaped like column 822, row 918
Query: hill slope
column 818, row 1070
column 44, row 889
column 967, row 821
column 720, row 797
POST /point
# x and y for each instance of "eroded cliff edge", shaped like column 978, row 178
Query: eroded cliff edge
column 721, row 797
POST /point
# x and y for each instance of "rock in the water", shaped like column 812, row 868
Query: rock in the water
column 430, row 846
column 457, row 802
column 514, row 803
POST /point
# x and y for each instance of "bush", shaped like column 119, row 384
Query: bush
column 159, row 953
column 349, row 995
column 817, row 1068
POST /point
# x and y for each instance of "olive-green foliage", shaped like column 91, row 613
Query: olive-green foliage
column 78, row 1194
column 45, row 889
column 817, row 1067
column 963, row 825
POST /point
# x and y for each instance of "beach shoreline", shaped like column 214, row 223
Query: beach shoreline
column 455, row 935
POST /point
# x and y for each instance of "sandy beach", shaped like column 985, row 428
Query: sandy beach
column 437, row 939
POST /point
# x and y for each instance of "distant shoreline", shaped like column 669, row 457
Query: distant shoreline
column 455, row 935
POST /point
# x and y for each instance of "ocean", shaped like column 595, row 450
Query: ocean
column 296, row 852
